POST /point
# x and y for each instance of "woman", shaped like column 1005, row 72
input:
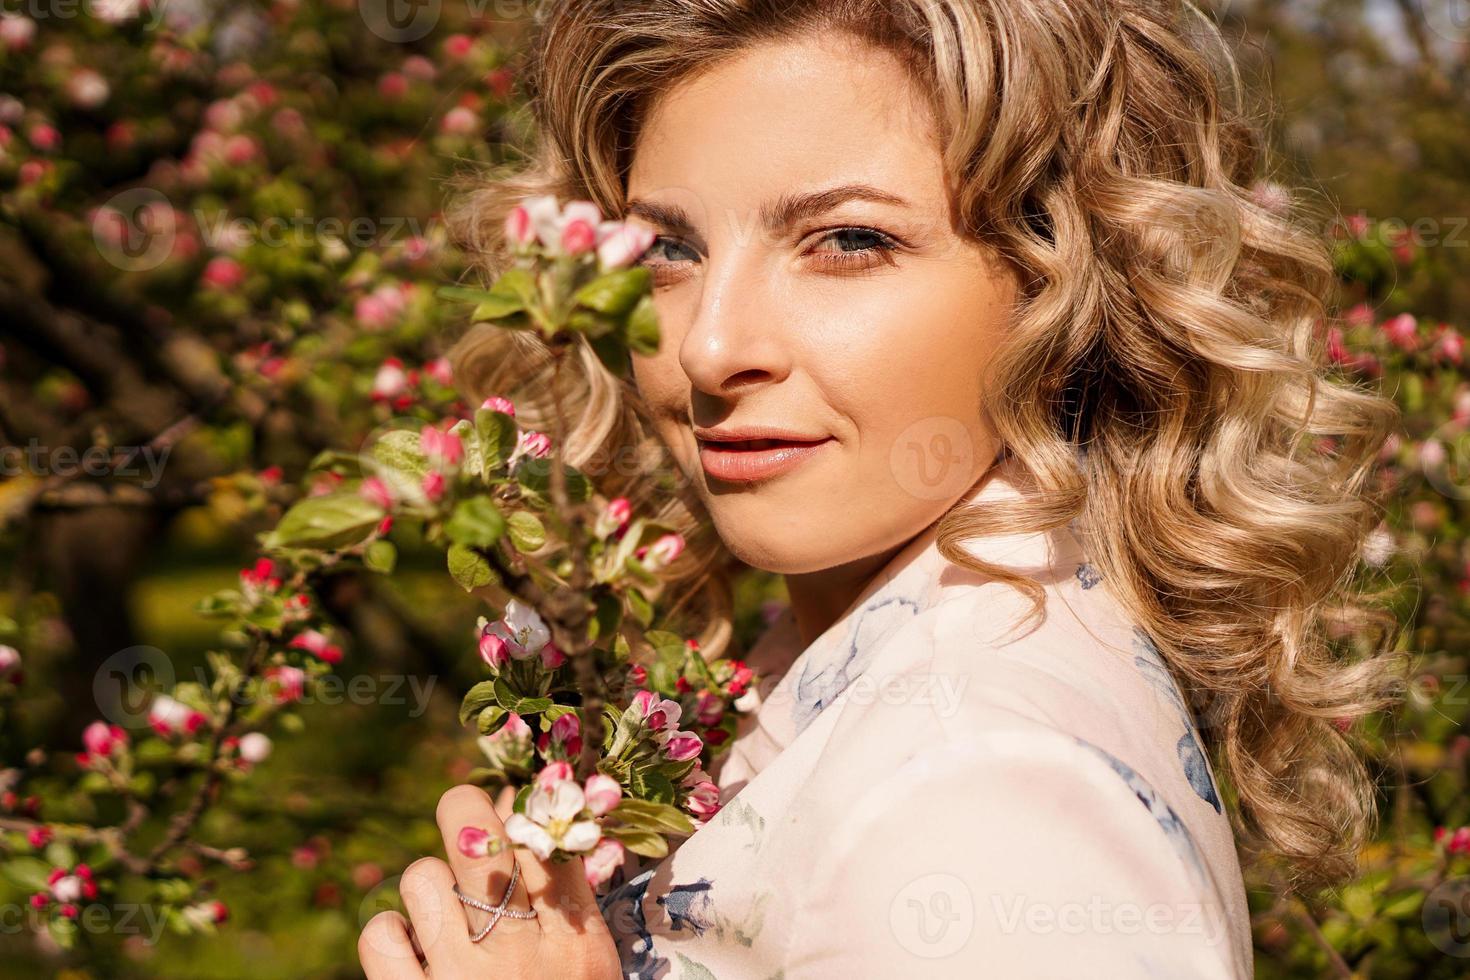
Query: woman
column 973, row 331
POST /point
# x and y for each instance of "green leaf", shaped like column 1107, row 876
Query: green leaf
column 490, row 718
column 642, row 329
column 613, row 353
column 475, row 698
column 642, row 842
column 333, row 520
column 592, row 324
column 640, row 607
column 527, row 532
column 605, row 619
column 399, row 451
column 651, row 785
column 476, row 522
column 512, row 293
column 380, row 556
column 27, row 872
column 507, row 696
column 531, row 706
column 614, row 293
column 534, row 473
column 469, row 568
column 64, row 931
column 498, row 436
column 660, row 816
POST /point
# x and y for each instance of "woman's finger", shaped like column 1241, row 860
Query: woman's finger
column 386, row 951
column 558, row 890
column 467, row 819
column 505, row 801
column 439, row 922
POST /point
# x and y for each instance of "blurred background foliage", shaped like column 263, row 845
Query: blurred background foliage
column 219, row 239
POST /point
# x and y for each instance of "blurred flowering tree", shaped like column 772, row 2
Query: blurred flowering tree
column 220, row 237
column 219, row 250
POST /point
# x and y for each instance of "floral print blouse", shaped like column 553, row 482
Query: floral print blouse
column 929, row 790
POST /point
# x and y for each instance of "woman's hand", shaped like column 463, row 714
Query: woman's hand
column 567, row 938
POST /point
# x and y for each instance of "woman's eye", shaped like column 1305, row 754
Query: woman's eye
column 856, row 248
column 660, row 250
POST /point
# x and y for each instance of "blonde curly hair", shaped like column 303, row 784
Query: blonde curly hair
column 1170, row 328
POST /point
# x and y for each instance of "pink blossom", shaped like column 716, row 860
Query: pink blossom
column 603, row 861
column 1360, row 315
column 262, row 576
column 497, row 404
column 566, row 726
column 39, row 837
column 492, row 650
column 552, row 657
column 103, row 739
column 1403, row 331
column 377, row 491
column 441, row 446
column 460, row 121
column 289, row 681
column 1462, row 406
column 44, row 137
column 379, row 309
column 392, row 86
column 433, row 485
column 659, row 714
column 602, row 792
column 500, row 80
column 661, row 552
column 1451, row 346
column 614, row 517
column 440, row 371
column 316, row 643
column 553, row 773
column 169, row 717
column 532, row 443
column 620, row 243
column 709, row 709
column 683, row 746
column 418, row 67
column 255, row 747
column 704, row 799
column 9, row 660
column 740, row 678
column 87, row 89
column 577, row 237
column 223, row 272
column 476, row 842
column 456, row 46
column 16, row 32
column 390, row 381
column 518, row 229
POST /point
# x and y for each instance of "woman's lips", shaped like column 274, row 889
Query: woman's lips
column 755, row 459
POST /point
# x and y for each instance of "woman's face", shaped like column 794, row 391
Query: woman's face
column 808, row 279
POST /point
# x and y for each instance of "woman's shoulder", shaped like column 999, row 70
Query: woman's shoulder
column 1067, row 748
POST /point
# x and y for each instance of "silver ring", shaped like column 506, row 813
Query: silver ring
column 496, row 911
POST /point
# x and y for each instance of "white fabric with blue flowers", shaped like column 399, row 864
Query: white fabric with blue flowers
column 928, row 790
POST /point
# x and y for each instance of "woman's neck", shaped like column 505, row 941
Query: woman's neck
column 818, row 599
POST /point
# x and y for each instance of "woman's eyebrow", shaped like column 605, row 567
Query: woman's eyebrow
column 777, row 216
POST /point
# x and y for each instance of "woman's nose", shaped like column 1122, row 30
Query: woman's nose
column 735, row 340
